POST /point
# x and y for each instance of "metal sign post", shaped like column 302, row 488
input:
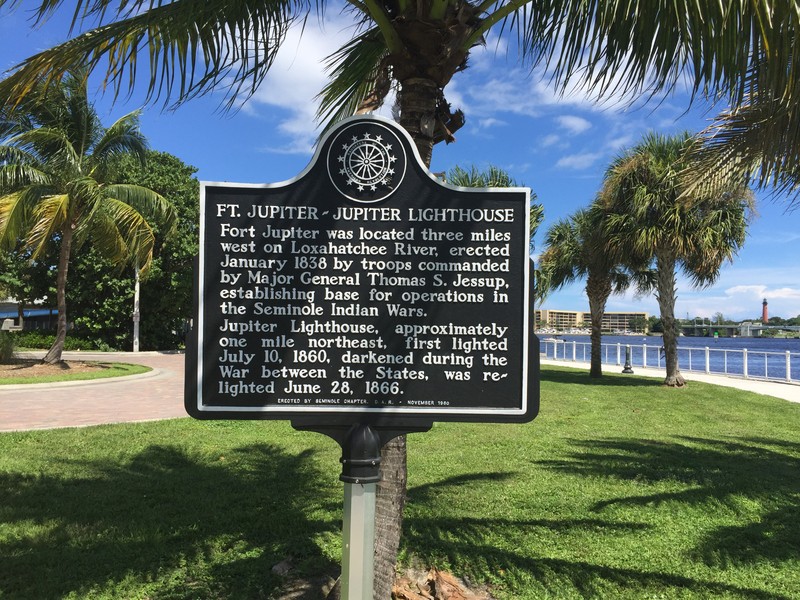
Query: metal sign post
column 358, row 540
column 361, row 458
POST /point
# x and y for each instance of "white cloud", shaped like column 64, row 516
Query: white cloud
column 776, row 237
column 579, row 161
column 294, row 81
column 490, row 123
column 495, row 95
column 573, row 124
column 762, row 291
column 550, row 140
column 733, row 296
column 620, row 143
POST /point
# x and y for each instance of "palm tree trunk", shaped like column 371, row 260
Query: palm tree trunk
column 598, row 290
column 54, row 354
column 665, row 264
column 389, row 506
column 417, row 100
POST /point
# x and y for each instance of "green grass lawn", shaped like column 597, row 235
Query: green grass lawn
column 104, row 371
column 622, row 489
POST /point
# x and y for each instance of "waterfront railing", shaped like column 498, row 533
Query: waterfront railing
column 748, row 364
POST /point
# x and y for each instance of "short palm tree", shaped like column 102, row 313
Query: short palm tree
column 499, row 178
column 651, row 218
column 575, row 248
column 54, row 187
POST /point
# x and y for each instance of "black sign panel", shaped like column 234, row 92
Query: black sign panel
column 363, row 289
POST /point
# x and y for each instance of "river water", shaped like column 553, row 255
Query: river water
column 763, row 358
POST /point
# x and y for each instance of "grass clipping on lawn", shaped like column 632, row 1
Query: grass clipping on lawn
column 621, row 488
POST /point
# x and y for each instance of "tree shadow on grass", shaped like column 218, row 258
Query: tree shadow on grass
column 579, row 377
column 166, row 524
column 555, row 578
column 763, row 473
column 713, row 470
column 423, row 493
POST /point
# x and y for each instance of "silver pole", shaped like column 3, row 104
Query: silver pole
column 358, row 541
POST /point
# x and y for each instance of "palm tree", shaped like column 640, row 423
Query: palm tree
column 651, row 217
column 575, row 248
column 737, row 51
column 475, row 178
column 53, row 185
column 497, row 178
column 417, row 47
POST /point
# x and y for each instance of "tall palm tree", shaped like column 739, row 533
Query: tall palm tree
column 54, row 187
column 651, row 217
column 416, row 46
column 575, row 248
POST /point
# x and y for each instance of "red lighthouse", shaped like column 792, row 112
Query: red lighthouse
column 764, row 312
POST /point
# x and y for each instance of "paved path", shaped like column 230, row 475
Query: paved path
column 786, row 391
column 147, row 397
column 159, row 393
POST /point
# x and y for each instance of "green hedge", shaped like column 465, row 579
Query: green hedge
column 44, row 339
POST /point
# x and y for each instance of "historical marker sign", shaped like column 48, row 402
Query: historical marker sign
column 364, row 289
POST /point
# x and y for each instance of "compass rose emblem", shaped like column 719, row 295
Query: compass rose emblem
column 366, row 162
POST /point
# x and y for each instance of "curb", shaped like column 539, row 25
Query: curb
column 152, row 373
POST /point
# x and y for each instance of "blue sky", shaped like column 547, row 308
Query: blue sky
column 557, row 145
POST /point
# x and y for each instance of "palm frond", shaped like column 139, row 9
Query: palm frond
column 561, row 262
column 48, row 146
column 123, row 234
column 13, row 122
column 490, row 177
column 358, row 71
column 190, row 47
column 629, row 47
column 107, row 239
column 49, row 216
column 123, row 137
column 148, row 203
column 757, row 142
column 16, row 210
column 14, row 175
column 85, row 193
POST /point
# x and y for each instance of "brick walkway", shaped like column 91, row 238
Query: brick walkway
column 151, row 396
column 159, row 394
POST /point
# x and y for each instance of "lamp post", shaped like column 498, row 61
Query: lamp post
column 627, row 368
column 136, row 315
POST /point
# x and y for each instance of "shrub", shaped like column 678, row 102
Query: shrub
column 42, row 340
column 33, row 339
